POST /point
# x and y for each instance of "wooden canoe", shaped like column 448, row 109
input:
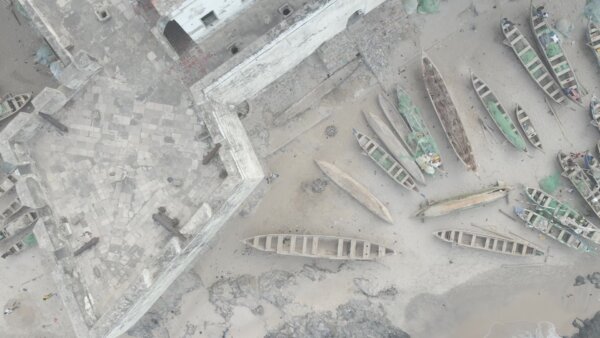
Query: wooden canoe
column 593, row 36
column 473, row 240
column 554, row 55
column 462, row 202
column 447, row 113
column 12, row 104
column 549, row 206
column 358, row 191
column 528, row 129
column 553, row 230
column 595, row 111
column 395, row 119
column 318, row 246
column 498, row 113
column 386, row 135
column 385, row 161
column 582, row 183
column 530, row 59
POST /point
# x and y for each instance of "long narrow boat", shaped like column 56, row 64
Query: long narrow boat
column 318, row 246
column 393, row 116
column 553, row 230
column 556, row 59
column 447, row 114
column 595, row 111
column 531, row 61
column 385, row 161
column 593, row 166
column 386, row 135
column 593, row 35
column 427, row 154
column 463, row 202
column 564, row 214
column 582, row 183
column 525, row 122
column 474, row 240
column 12, row 104
column 498, row 114
column 356, row 190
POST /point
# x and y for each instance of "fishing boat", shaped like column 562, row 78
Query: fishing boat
column 531, row 61
column 550, row 206
column 419, row 140
column 528, row 129
column 553, row 230
column 593, row 167
column 386, row 135
column 19, row 224
column 358, row 191
column 498, row 114
column 582, row 183
column 503, row 245
column 385, row 161
column 395, row 119
column 595, row 111
column 12, row 104
column 463, row 202
column 593, row 35
column 558, row 64
column 318, row 246
column 447, row 114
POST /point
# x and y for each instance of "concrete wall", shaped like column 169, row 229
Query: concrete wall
column 283, row 50
column 189, row 15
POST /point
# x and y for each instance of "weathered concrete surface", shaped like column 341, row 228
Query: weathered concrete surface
column 280, row 50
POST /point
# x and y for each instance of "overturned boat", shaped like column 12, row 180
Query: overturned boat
column 498, row 114
column 358, row 191
column 503, row 245
column 530, row 132
column 12, row 104
column 549, row 43
column 317, row 246
column 531, row 61
column 582, row 183
column 463, row 202
column 422, row 144
column 447, row 114
column 386, row 135
column 551, row 207
column 385, row 161
column 553, row 230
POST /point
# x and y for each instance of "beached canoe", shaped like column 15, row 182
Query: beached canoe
column 386, row 135
column 530, row 59
column 463, row 202
column 553, row 230
column 548, row 42
column 593, row 36
column 395, row 119
column 318, row 246
column 385, row 161
column 12, row 104
column 419, row 140
column 595, row 111
column 497, row 244
column 447, row 113
column 582, row 183
column 358, row 191
column 528, row 129
column 498, row 113
column 549, row 206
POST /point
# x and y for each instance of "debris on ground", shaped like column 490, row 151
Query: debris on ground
column 428, row 6
column 579, row 280
column 87, row 246
column 589, row 328
column 549, row 184
column 331, row 131
column 318, row 186
column 594, row 278
column 271, row 178
column 410, row 6
column 564, row 26
column 12, row 307
column 211, row 154
column 44, row 56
